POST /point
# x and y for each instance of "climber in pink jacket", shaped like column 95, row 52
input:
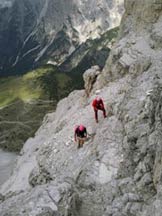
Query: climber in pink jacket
column 98, row 105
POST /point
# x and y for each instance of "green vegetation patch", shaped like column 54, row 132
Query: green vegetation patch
column 43, row 83
column 24, row 100
column 13, row 88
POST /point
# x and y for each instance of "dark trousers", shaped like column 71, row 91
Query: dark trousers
column 81, row 141
column 96, row 112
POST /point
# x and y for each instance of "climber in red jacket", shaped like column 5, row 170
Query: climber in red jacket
column 98, row 105
column 80, row 135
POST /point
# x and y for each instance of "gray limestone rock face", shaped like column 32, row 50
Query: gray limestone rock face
column 90, row 77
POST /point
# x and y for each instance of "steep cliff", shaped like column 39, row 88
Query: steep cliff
column 118, row 171
column 33, row 32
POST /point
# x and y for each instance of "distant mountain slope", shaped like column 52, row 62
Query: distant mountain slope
column 52, row 29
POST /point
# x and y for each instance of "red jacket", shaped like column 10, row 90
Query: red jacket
column 98, row 104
